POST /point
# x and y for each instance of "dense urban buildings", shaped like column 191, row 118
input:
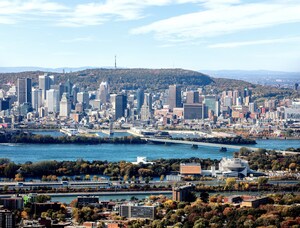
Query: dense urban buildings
column 28, row 103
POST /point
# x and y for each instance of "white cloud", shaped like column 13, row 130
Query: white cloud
column 78, row 39
column 254, row 42
column 98, row 13
column 14, row 11
column 223, row 19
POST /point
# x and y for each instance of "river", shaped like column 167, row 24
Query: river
column 21, row 153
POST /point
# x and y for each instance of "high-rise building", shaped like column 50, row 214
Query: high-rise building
column 83, row 97
column 247, row 92
column 75, row 91
column 146, row 110
column 65, row 105
column 130, row 211
column 37, row 98
column 120, row 105
column 193, row 111
column 210, row 102
column 235, row 95
column 192, row 97
column 52, row 80
column 252, row 107
column 228, row 101
column 68, row 87
column 174, row 98
column 52, row 101
column 44, row 84
column 140, row 99
column 103, row 92
column 24, row 90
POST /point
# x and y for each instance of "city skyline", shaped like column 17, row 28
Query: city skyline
column 190, row 34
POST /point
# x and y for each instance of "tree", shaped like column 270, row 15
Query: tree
column 19, row 177
column 293, row 166
column 262, row 181
column 230, row 182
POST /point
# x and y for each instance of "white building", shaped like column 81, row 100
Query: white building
column 52, row 101
column 83, row 97
column 65, row 106
column 234, row 167
column 37, row 98
column 103, row 92
column 142, row 160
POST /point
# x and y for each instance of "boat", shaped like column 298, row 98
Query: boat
column 223, row 149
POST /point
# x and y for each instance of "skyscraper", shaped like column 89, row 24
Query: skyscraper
column 83, row 97
column 65, row 105
column 52, row 100
column 146, row 110
column 174, row 98
column 24, row 90
column 140, row 99
column 192, row 97
column 210, row 102
column 37, row 98
column 44, row 84
column 120, row 105
column 103, row 92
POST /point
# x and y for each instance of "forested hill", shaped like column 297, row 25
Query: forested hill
column 151, row 79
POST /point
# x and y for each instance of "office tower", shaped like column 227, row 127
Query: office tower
column 239, row 101
column 52, row 101
column 68, row 87
column 192, row 97
column 296, row 86
column 83, row 97
column 174, row 97
column 44, row 84
column 235, row 95
column 37, row 98
column 65, row 105
column 252, row 107
column 24, row 90
column 140, row 99
column 52, row 80
column 146, row 110
column 120, row 105
column 75, row 91
column 247, row 92
column 218, row 108
column 228, row 101
column 192, row 111
column 103, row 92
column 210, row 102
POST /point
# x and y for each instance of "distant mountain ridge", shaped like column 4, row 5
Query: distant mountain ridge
column 44, row 69
column 253, row 74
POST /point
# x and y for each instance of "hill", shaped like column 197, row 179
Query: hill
column 152, row 79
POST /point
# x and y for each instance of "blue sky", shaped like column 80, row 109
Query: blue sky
column 191, row 34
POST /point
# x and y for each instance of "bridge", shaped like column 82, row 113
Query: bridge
column 192, row 143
